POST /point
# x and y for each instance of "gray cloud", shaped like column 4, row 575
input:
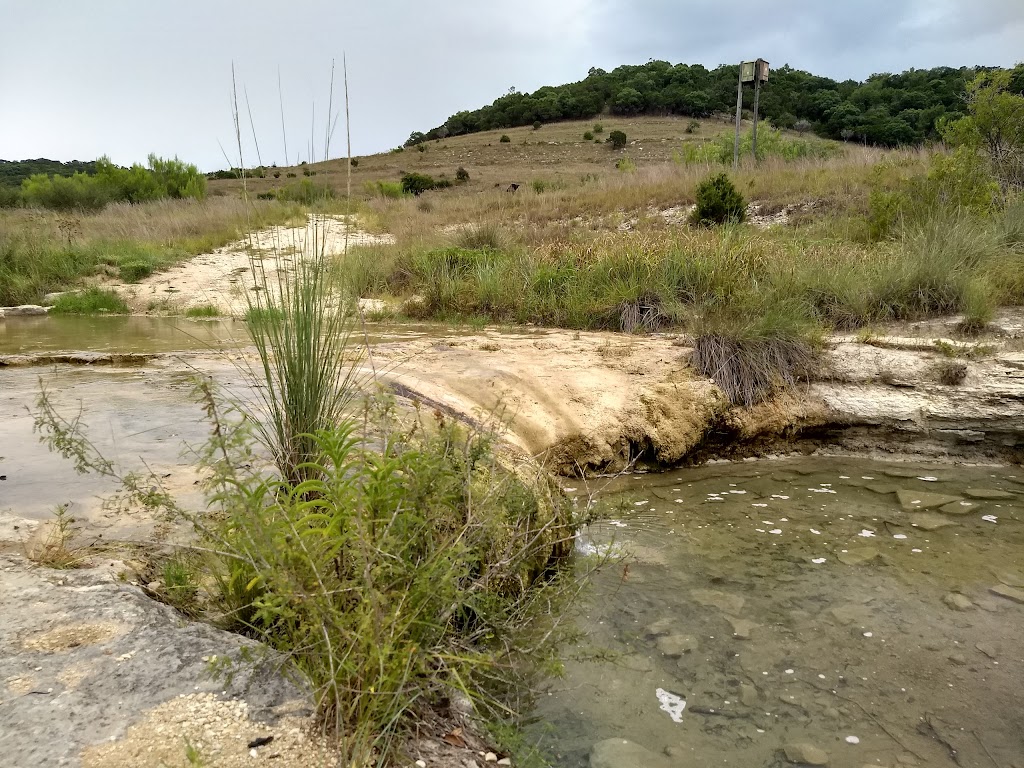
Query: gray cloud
column 124, row 78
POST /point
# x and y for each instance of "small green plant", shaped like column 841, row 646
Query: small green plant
column 256, row 314
column 588, row 136
column 421, row 147
column 462, row 175
column 354, row 162
column 193, row 756
column 539, row 185
column 598, row 128
column 537, row 124
column 505, row 139
column 55, row 549
column 203, row 310
column 134, row 270
column 693, row 126
column 617, row 139
column 625, row 165
column 289, row 175
column 91, row 301
column 718, row 202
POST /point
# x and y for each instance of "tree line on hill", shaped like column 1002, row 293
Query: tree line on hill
column 885, row 110
column 13, row 172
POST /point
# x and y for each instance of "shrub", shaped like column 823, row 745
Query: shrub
column 421, row 147
column 718, row 202
column 417, row 183
column 354, row 162
column 91, row 301
column 538, row 185
column 290, row 175
column 617, row 139
column 462, row 175
column 693, row 126
column 504, row 139
column 536, row 125
column 802, row 127
column 588, row 136
column 598, row 128
column 625, row 164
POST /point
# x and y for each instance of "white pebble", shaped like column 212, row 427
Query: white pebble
column 852, row 740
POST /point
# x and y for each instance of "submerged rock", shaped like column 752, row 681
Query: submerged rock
column 725, row 602
column 859, row 556
column 929, row 521
column 959, row 508
column 915, row 500
column 987, row 493
column 805, row 754
column 675, row 646
column 1010, row 593
column 958, row 602
column 619, row 753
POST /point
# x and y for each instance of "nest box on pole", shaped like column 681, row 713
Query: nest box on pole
column 755, row 72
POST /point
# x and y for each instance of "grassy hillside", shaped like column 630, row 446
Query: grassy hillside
column 557, row 154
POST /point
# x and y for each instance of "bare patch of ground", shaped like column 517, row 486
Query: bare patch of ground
column 222, row 278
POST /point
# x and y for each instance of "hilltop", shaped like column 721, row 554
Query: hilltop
column 884, row 110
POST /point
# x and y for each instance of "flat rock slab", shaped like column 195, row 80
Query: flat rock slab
column 742, row 628
column 619, row 753
column 24, row 310
column 912, row 501
column 929, row 521
column 732, row 604
column 987, row 493
column 959, row 508
column 859, row 556
column 675, row 646
column 96, row 654
column 1010, row 593
column 1010, row 578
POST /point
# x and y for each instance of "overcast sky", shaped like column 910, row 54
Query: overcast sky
column 83, row 78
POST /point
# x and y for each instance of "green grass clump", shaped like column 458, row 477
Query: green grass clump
column 92, row 301
column 203, row 310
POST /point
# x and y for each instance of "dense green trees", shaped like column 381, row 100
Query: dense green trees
column 886, row 109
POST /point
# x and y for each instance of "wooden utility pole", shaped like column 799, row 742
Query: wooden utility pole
column 739, row 116
column 757, row 98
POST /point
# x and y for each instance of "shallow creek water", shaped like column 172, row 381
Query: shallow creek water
column 783, row 601
column 796, row 601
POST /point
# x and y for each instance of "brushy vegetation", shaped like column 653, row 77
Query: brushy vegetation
column 42, row 252
column 91, row 301
column 110, row 183
column 397, row 561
